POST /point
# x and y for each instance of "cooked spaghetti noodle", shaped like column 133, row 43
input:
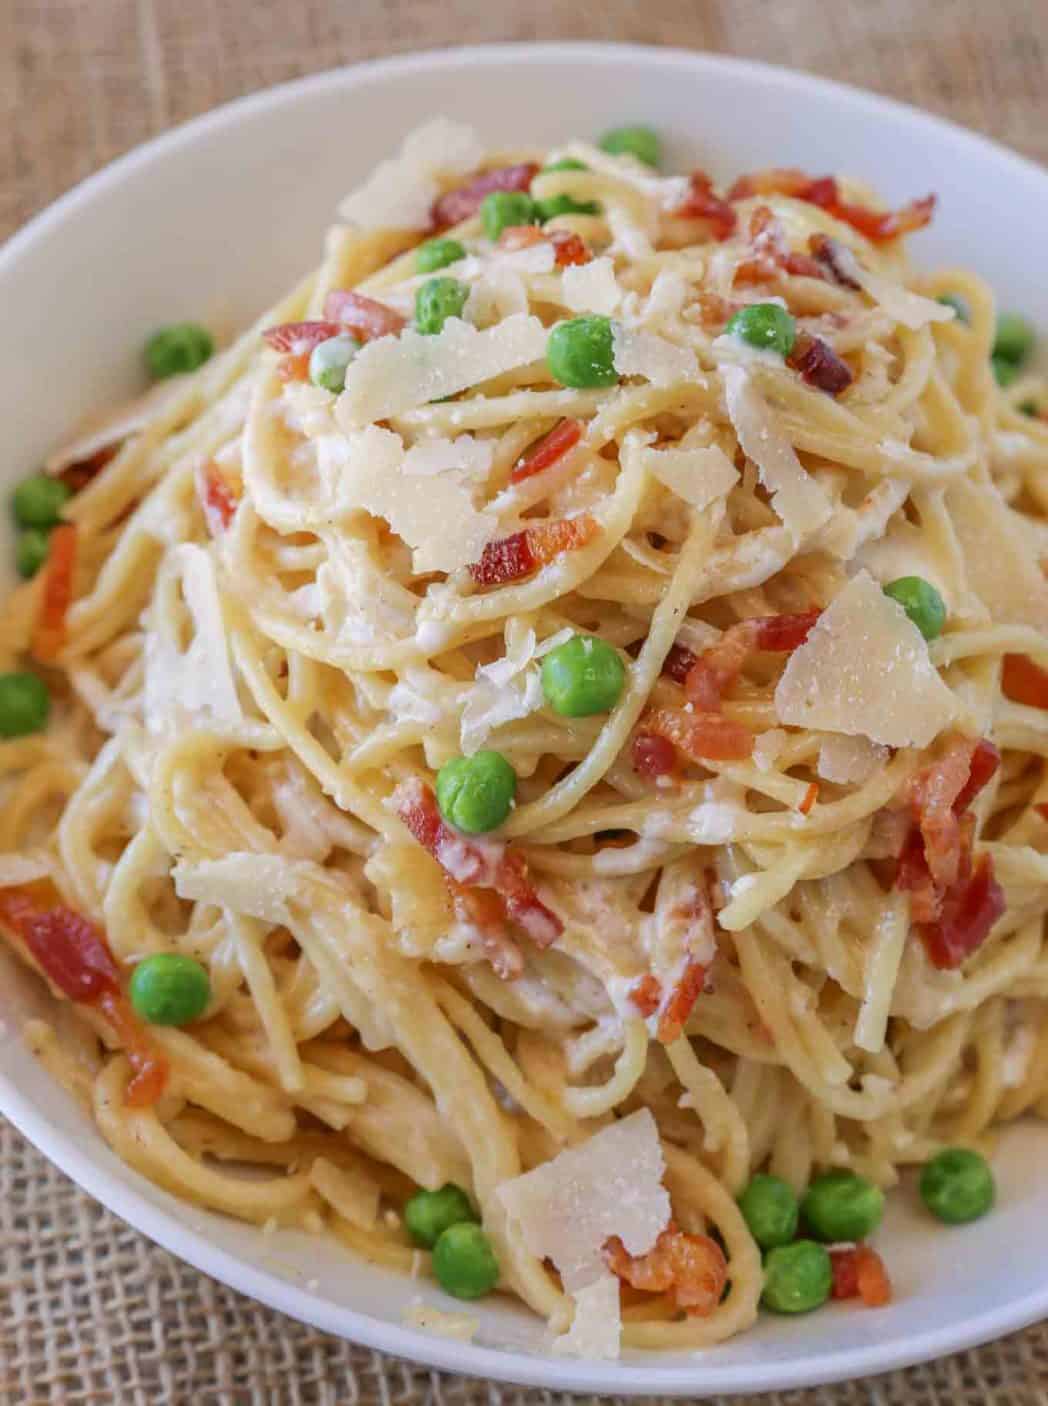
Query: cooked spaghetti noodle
column 787, row 891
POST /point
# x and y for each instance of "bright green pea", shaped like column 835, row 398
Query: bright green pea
column 328, row 361
column 797, row 1277
column 1014, row 338
column 24, row 704
column 566, row 163
column 842, row 1206
column 581, row 353
column 502, row 209
column 429, row 1213
column 1004, row 371
column 764, row 325
column 437, row 254
column 169, row 989
column 476, row 793
column 181, row 347
column 957, row 1185
column 38, row 501
column 31, row 551
column 922, row 603
column 464, row 1262
column 436, row 301
column 564, row 205
column 960, row 307
column 583, row 676
column 639, row 141
column 770, row 1208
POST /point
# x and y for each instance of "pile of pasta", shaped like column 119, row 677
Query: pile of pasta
column 781, row 907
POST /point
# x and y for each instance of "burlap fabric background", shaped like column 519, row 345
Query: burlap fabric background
column 90, row 1312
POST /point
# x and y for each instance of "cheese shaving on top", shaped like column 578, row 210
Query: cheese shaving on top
column 399, row 193
column 591, row 287
column 1001, row 568
column 663, row 363
column 699, row 476
column 909, row 308
column 597, row 1324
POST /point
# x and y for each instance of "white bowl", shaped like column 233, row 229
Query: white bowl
column 214, row 219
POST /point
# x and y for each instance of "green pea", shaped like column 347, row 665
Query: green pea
column 1029, row 407
column 842, row 1206
column 181, row 347
column 169, row 989
column 922, row 603
column 638, row 140
column 476, row 793
column 38, row 501
column 564, row 205
column 797, row 1277
column 1004, row 371
column 1014, row 338
column 24, row 704
column 766, row 326
column 580, row 353
column 429, row 1213
column 464, row 1262
column 31, row 551
column 566, row 163
column 328, row 361
column 957, row 1185
column 960, row 307
column 583, row 676
column 437, row 254
column 502, row 209
column 770, row 1208
column 436, row 301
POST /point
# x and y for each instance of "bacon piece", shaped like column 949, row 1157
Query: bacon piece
column 819, row 364
column 701, row 736
column 829, row 253
column 984, row 761
column 717, row 668
column 845, row 1274
column 299, row 337
column 366, row 318
column 294, row 368
column 149, row 1067
column 939, row 794
column 217, row 496
column 457, row 205
column 771, row 254
column 652, row 756
column 483, row 910
column 515, row 237
column 701, row 202
column 1023, row 681
column 1041, row 807
column 678, row 663
column 690, row 1268
column 775, row 180
column 877, row 225
column 474, row 863
column 682, row 998
column 646, row 994
column 49, row 633
column 79, row 474
column 860, row 1273
column 569, row 248
column 546, row 451
column 510, row 558
column 969, row 911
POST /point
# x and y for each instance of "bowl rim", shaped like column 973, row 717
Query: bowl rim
column 635, row 1375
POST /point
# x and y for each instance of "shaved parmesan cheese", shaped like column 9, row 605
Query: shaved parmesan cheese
column 898, row 302
column 864, row 670
column 768, row 746
column 395, row 374
column 20, row 869
column 499, row 294
column 844, row 759
column 597, row 1326
column 609, row 1185
column 436, row 456
column 1002, row 570
column 699, row 476
column 505, row 690
column 256, row 884
column 666, row 298
column 461, row 1327
column 659, row 361
column 409, row 701
column 534, row 258
column 591, row 287
column 797, row 498
column 666, row 191
column 400, row 192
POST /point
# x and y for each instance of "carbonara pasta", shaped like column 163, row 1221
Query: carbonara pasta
column 567, row 687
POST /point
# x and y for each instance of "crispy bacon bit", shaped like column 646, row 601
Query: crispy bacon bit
column 652, row 756
column 969, row 911
column 715, row 311
column 940, row 793
column 683, row 996
column 456, row 205
column 690, row 1268
column 477, row 864
column 294, row 368
column 860, row 1273
column 1023, row 681
column 483, row 910
column 49, row 634
column 79, row 474
column 701, row 736
column 829, row 253
column 217, row 496
column 810, row 797
column 770, row 254
column 717, row 668
column 646, row 994
column 820, row 365
column 1041, row 807
column 701, row 202
column 510, row 558
column 73, row 954
column 546, row 451
column 569, row 248
column 678, row 663
column 365, row 318
column 877, row 225
column 299, row 337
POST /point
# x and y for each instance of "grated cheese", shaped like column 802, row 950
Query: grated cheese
column 399, row 193
column 591, row 287
column 663, row 363
column 699, row 476
column 864, row 670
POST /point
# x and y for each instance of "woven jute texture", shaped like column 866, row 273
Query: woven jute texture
column 90, row 1312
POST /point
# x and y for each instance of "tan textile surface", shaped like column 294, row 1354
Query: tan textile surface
column 90, row 1312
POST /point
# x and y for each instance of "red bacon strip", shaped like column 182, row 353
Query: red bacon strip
column 701, row 202
column 366, row 318
column 860, row 1273
column 715, row 670
column 49, row 634
column 569, row 248
column 877, row 225
column 682, row 998
column 1023, row 681
column 830, row 254
column 217, row 497
column 691, row 1268
column 457, row 205
column 770, row 253
column 969, row 911
column 678, row 663
column 652, row 756
column 299, row 337
column 483, row 910
column 646, row 994
column 939, row 794
column 701, row 736
column 819, row 365
column 546, row 451
column 520, row 554
column 73, row 954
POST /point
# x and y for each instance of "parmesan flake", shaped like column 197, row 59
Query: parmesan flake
column 646, row 354
column 591, row 287
column 399, row 193
column 699, row 476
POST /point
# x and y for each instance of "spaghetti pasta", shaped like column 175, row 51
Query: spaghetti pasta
column 773, row 862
